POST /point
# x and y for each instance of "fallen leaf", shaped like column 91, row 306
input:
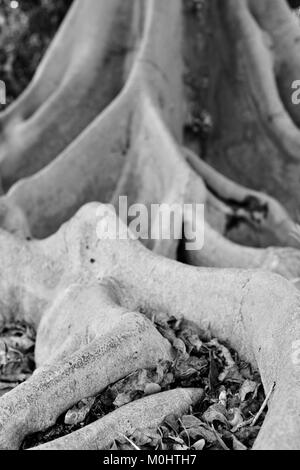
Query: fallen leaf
column 180, row 447
column 152, row 389
column 134, row 385
column 230, row 369
column 236, row 419
column 114, row 446
column 191, row 340
column 22, row 343
column 79, row 412
column 249, row 386
column 199, row 445
column 216, row 413
column 123, row 399
column 237, row 445
column 223, row 398
column 190, row 421
column 172, row 422
column 142, row 438
column 177, row 440
column 179, row 345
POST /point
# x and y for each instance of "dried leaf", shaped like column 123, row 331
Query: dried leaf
column 114, row 446
column 180, row 447
column 123, row 399
column 230, row 370
column 16, row 355
column 152, row 389
column 223, row 398
column 199, row 445
column 21, row 343
column 216, row 413
column 162, row 318
column 236, row 419
column 178, row 440
column 199, row 364
column 191, row 339
column 249, row 386
column 179, row 345
column 79, row 412
column 134, row 386
column 140, row 438
column 237, row 445
column 154, row 435
column 183, row 371
column 172, row 422
column 190, row 421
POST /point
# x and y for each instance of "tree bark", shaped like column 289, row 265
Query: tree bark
column 214, row 82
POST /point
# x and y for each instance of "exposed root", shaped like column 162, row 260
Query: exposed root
column 234, row 206
column 53, row 195
column 232, row 304
column 83, row 288
column 147, row 413
column 139, row 158
column 85, row 364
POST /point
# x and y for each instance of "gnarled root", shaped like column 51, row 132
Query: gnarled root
column 83, row 288
column 139, row 159
column 258, row 314
column 241, row 214
column 94, row 355
column 143, row 414
column 51, row 196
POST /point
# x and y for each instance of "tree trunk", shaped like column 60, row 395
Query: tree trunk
column 253, row 51
column 126, row 97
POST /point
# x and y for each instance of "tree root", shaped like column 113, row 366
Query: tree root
column 128, row 167
column 143, row 414
column 155, row 82
column 255, row 140
column 106, row 345
column 260, row 218
column 232, row 304
column 84, row 287
column 45, row 120
column 54, row 207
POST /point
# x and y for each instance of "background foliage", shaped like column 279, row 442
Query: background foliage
column 26, row 28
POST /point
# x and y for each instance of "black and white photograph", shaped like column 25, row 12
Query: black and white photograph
column 149, row 228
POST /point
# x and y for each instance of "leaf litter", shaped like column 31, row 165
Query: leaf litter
column 17, row 343
column 228, row 417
